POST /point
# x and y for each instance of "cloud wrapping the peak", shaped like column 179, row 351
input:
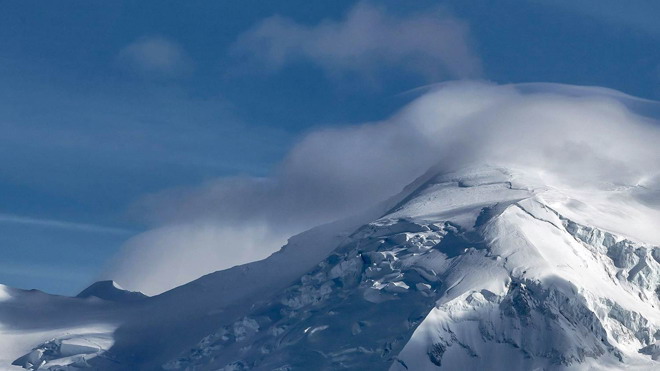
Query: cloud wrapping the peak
column 433, row 45
column 584, row 136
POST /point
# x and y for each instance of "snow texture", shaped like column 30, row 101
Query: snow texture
column 486, row 268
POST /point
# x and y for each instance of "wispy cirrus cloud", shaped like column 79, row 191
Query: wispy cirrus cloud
column 50, row 223
column 434, row 44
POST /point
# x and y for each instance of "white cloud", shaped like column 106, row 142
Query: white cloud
column 155, row 56
column 170, row 256
column 582, row 134
column 433, row 44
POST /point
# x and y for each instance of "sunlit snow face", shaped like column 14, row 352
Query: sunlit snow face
column 587, row 137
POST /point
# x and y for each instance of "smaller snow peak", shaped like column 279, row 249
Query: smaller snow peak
column 111, row 291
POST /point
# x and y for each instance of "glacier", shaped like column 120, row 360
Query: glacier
column 488, row 267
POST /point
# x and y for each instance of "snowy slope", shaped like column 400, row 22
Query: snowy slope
column 38, row 331
column 558, row 294
column 476, row 265
column 110, row 290
column 146, row 333
column 485, row 268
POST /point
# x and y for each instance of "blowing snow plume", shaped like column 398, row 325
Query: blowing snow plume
column 589, row 136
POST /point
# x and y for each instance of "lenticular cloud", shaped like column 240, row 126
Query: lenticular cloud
column 587, row 137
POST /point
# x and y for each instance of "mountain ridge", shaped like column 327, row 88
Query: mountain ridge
column 462, row 269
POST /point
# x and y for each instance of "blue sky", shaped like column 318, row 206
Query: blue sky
column 103, row 104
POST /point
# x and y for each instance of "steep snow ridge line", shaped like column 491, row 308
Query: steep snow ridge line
column 619, row 327
column 637, row 258
column 518, row 205
column 635, row 265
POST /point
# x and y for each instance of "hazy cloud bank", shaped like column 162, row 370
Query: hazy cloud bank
column 581, row 134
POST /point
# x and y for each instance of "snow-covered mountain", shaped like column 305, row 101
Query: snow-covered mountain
column 483, row 268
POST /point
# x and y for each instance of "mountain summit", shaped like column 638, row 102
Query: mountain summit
column 110, row 290
column 484, row 268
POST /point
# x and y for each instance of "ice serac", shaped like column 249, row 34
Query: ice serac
column 69, row 352
column 39, row 331
column 486, row 268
